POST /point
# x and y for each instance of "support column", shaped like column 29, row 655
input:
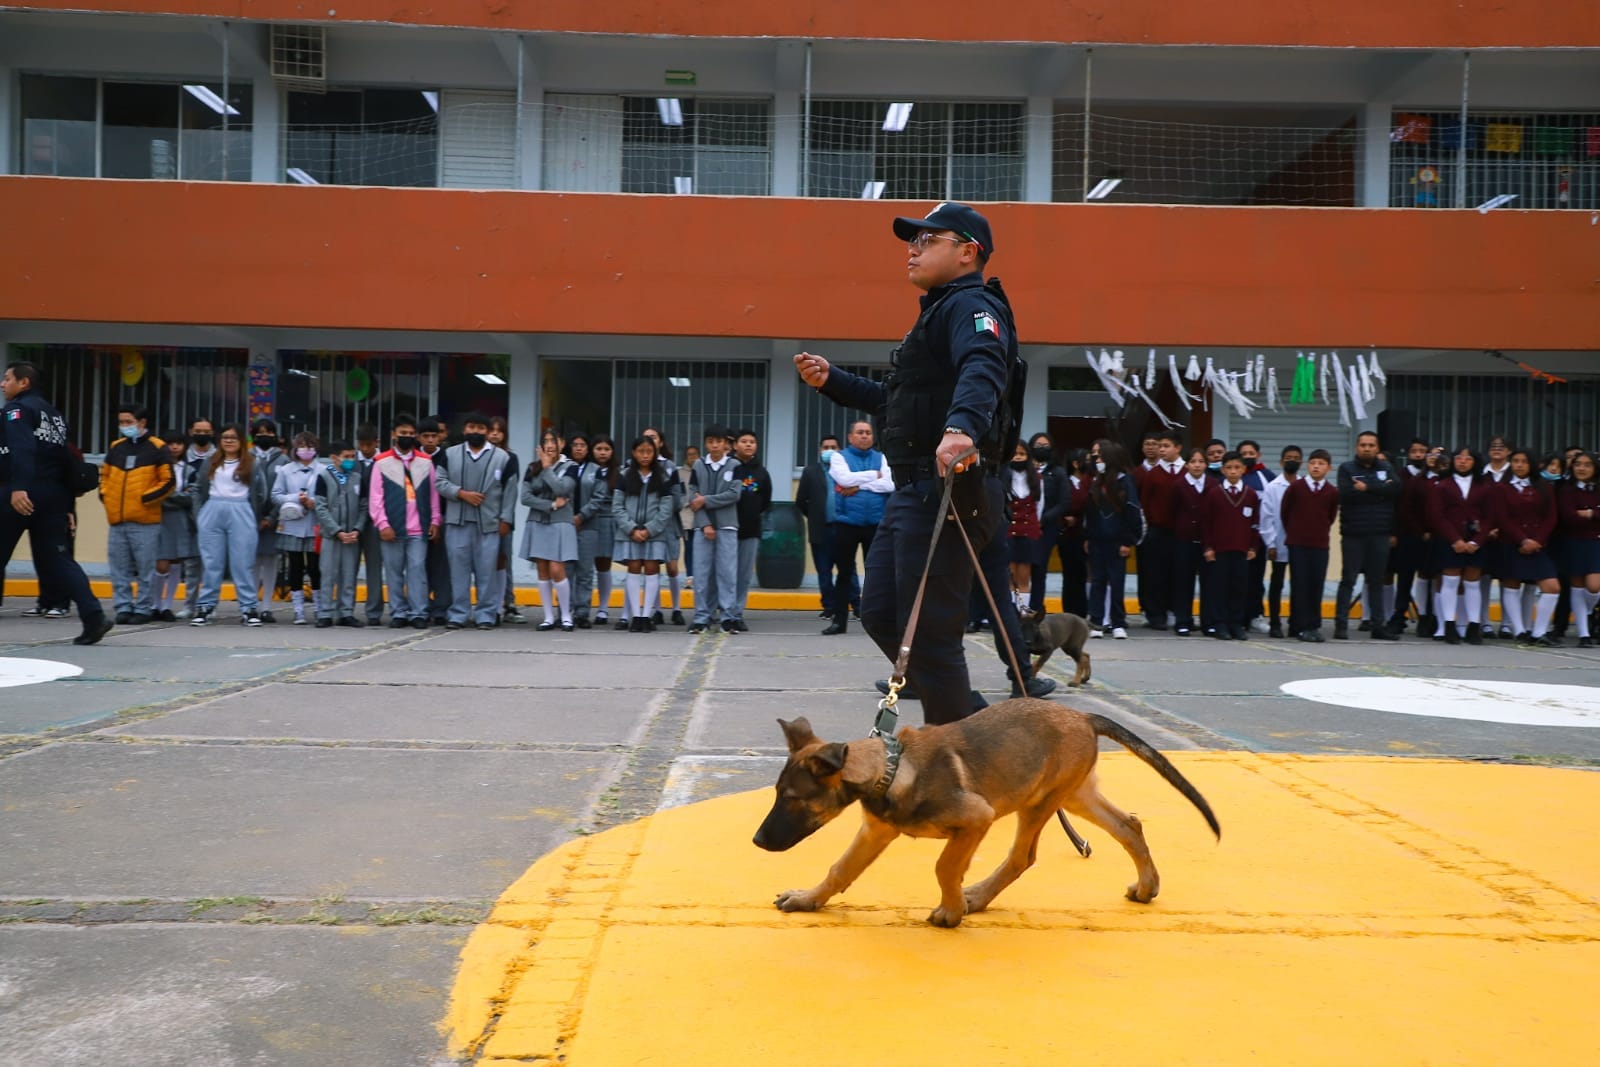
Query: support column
column 1376, row 121
column 786, row 135
column 783, row 401
column 1038, row 183
column 266, row 162
column 8, row 133
column 522, row 437
column 530, row 121
column 1036, row 401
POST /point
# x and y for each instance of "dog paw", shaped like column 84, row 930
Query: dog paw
column 942, row 916
column 797, row 900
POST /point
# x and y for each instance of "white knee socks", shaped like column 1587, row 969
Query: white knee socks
column 547, row 599
column 1473, row 594
column 1421, row 591
column 1582, row 604
column 1511, row 609
column 167, row 587
column 632, row 590
column 563, row 591
column 1449, row 595
column 1388, row 603
column 1543, row 613
column 652, row 594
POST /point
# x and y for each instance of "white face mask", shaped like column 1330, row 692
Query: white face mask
column 1100, row 465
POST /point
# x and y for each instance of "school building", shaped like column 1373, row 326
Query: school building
column 606, row 216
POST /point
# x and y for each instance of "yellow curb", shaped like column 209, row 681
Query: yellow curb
column 1357, row 910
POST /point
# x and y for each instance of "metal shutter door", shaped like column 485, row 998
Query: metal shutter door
column 478, row 148
column 1310, row 426
column 582, row 143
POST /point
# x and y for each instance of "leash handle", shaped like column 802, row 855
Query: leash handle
column 906, row 641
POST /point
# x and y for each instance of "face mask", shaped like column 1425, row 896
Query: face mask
column 476, row 440
column 405, row 444
column 305, row 455
column 827, row 455
column 265, row 441
column 1019, row 464
column 347, row 465
column 1214, row 466
column 1100, row 465
column 1291, row 466
column 1547, row 476
column 1040, row 453
column 130, row 432
column 201, row 440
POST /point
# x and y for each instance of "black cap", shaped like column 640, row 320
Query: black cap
column 960, row 218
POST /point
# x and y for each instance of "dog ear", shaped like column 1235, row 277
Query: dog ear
column 797, row 733
column 829, row 759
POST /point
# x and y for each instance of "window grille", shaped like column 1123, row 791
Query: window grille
column 1543, row 160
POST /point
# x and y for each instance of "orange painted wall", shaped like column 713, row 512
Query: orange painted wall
column 171, row 252
column 1331, row 23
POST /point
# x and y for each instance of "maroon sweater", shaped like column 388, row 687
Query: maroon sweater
column 1228, row 520
column 1523, row 514
column 1572, row 498
column 1308, row 516
column 1411, row 517
column 1188, row 506
column 1454, row 517
column 1156, row 488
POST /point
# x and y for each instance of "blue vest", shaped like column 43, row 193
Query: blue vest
column 864, row 508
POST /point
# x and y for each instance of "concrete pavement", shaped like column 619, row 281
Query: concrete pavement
column 300, row 846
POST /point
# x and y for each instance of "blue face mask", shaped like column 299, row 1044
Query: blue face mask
column 130, row 432
column 347, row 464
column 1214, row 466
column 827, row 456
column 1547, row 476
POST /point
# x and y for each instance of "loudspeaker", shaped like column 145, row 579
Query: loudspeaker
column 1395, row 430
column 292, row 405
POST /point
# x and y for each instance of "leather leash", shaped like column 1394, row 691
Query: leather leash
column 885, row 724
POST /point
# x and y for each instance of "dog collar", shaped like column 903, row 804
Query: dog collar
column 891, row 764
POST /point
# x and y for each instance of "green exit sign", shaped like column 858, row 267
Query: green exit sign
column 680, row 77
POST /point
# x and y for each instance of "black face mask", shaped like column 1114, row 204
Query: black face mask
column 1291, row 466
column 201, row 440
column 265, row 441
column 1040, row 453
column 477, row 440
column 405, row 444
column 1019, row 464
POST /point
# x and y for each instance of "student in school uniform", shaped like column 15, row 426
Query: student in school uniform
column 1525, row 516
column 1578, row 510
column 177, row 551
column 477, row 483
column 371, row 546
column 403, row 503
column 714, row 496
column 1114, row 524
column 1228, row 529
column 1256, row 476
column 1057, row 493
column 1157, row 479
column 1189, row 495
column 1274, row 548
column 1460, row 513
column 341, row 512
column 1309, row 509
column 292, row 490
column 1496, row 554
column 1025, row 505
column 597, row 480
column 642, row 508
column 1406, row 568
column 505, row 563
column 264, row 443
column 1069, row 536
column 674, row 590
column 551, row 537
column 230, row 494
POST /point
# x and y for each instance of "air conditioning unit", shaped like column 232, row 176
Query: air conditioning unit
column 299, row 57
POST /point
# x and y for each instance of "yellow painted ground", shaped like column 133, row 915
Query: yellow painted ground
column 1356, row 911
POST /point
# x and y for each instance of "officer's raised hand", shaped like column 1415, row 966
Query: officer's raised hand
column 951, row 446
column 813, row 369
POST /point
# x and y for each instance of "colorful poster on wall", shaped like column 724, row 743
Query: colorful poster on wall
column 1503, row 137
column 260, row 380
column 1411, row 129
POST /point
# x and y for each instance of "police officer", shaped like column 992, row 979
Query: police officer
column 36, row 494
column 947, row 392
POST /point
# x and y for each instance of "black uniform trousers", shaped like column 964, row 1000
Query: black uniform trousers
column 1308, row 568
column 438, row 580
column 1280, row 570
column 1230, row 591
column 1074, row 574
column 938, row 665
column 1157, row 564
column 1189, row 564
column 1256, row 588
column 51, row 539
column 847, row 538
column 1366, row 555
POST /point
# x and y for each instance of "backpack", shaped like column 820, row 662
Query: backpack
column 85, row 476
column 1008, row 416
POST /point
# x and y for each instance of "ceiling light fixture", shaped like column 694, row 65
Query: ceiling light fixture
column 872, row 191
column 681, row 383
column 432, row 97
column 209, row 98
column 670, row 109
column 490, row 379
column 682, row 185
column 1103, row 189
column 301, row 176
column 895, row 119
column 1496, row 201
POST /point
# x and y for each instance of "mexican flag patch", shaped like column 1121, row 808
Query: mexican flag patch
column 983, row 322
column 14, row 414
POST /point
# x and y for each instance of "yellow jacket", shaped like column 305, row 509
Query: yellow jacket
column 134, row 478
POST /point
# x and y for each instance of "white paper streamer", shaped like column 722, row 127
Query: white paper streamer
column 1100, row 368
column 1261, row 372
column 1367, row 391
column 1177, row 382
column 1193, row 373
column 1249, row 377
column 1117, row 366
column 1322, row 376
column 1150, row 370
column 1355, row 394
column 1138, row 390
column 1377, row 371
column 1338, row 379
column 1272, row 389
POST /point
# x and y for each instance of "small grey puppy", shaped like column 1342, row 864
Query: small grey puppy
column 1044, row 633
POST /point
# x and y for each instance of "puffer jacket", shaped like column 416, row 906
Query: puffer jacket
column 135, row 477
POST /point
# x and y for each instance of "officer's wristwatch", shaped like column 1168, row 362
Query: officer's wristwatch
column 948, row 430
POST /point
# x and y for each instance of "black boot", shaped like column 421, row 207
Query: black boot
column 1474, row 634
column 1452, row 636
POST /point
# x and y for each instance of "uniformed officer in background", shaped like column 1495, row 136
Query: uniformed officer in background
column 956, row 382
column 36, row 493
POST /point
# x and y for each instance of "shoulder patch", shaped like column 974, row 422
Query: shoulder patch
column 14, row 414
column 983, row 322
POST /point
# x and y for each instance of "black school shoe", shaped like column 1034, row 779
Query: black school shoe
column 1311, row 637
column 677, row 618
column 324, row 622
column 1452, row 636
column 697, row 627
column 624, row 624
column 1275, row 628
column 582, row 622
column 350, row 620
column 1474, row 634
column 93, row 631
column 1383, row 633
column 1037, row 687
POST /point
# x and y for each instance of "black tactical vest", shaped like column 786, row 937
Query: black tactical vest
column 920, row 389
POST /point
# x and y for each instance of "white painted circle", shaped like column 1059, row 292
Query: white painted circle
column 34, row 671
column 1518, row 703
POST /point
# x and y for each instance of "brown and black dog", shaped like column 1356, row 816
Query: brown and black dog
column 954, row 780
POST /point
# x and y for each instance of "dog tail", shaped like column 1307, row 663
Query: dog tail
column 1104, row 727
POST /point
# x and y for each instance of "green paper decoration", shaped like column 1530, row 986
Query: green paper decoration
column 357, row 385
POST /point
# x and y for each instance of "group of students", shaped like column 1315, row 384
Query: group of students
column 431, row 522
column 1426, row 538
